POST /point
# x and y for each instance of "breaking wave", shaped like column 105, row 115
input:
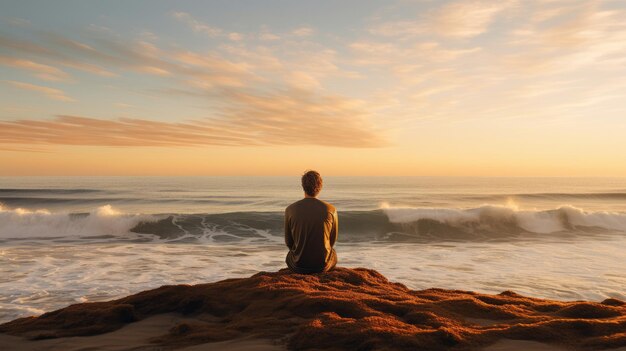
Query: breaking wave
column 387, row 224
column 38, row 224
column 494, row 221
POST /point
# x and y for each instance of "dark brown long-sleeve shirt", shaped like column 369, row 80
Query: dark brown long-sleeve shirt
column 311, row 227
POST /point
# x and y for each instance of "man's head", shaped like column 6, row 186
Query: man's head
column 312, row 183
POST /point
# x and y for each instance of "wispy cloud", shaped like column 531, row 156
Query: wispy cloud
column 384, row 53
column 123, row 105
column 201, row 27
column 585, row 35
column 461, row 19
column 303, row 31
column 39, row 70
column 252, row 110
column 464, row 59
column 234, row 36
column 452, row 61
column 282, row 118
column 197, row 26
column 55, row 55
column 19, row 22
column 298, row 116
column 261, row 98
column 51, row 93
column 266, row 35
column 262, row 34
column 466, row 19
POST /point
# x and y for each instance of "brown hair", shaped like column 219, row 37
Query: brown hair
column 312, row 183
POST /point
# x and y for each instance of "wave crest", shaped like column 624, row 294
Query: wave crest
column 507, row 219
column 20, row 223
column 388, row 224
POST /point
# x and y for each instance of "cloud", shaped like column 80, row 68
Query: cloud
column 266, row 35
column 585, row 36
column 460, row 19
column 153, row 70
column 50, row 93
column 197, row 26
column 39, row 70
column 303, row 32
column 234, row 36
column 237, row 62
column 260, row 99
column 303, row 80
column 466, row 19
column 384, row 53
column 22, row 148
column 440, row 67
column 399, row 28
column 55, row 55
column 543, row 56
column 215, row 32
column 302, row 117
column 258, row 96
column 103, row 55
column 19, row 22
column 280, row 118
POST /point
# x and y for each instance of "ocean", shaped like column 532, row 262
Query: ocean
column 66, row 240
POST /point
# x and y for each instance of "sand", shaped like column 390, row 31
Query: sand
column 345, row 309
column 135, row 336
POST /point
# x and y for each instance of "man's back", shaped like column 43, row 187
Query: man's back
column 311, row 227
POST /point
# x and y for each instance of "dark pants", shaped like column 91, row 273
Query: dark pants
column 330, row 264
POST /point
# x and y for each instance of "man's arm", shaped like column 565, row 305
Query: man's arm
column 334, row 232
column 288, row 236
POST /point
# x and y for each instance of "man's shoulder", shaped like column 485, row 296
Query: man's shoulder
column 306, row 203
column 329, row 206
column 293, row 205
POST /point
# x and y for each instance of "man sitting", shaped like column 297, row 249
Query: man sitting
column 311, row 230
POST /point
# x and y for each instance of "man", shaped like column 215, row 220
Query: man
column 311, row 230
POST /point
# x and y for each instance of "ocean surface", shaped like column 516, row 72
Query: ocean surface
column 66, row 240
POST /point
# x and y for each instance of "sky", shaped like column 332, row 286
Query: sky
column 414, row 88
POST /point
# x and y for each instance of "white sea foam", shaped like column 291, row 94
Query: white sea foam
column 536, row 221
column 47, row 277
column 104, row 220
column 20, row 223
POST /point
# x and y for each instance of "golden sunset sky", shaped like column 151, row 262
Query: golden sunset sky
column 452, row 88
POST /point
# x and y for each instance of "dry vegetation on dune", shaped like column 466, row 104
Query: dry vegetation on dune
column 355, row 309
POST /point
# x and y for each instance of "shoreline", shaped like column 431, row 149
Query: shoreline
column 343, row 309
